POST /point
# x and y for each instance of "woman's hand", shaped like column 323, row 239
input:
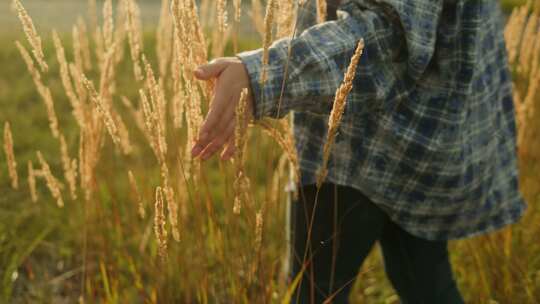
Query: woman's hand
column 218, row 127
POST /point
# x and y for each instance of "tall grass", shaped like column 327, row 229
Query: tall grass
column 144, row 222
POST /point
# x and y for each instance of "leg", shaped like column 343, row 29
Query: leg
column 419, row 269
column 346, row 226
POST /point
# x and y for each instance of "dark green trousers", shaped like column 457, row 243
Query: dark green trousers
column 346, row 226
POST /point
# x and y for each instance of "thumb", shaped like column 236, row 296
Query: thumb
column 210, row 70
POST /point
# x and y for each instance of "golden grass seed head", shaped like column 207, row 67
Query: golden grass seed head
column 338, row 109
column 52, row 183
column 31, row 35
column 10, row 156
column 160, row 229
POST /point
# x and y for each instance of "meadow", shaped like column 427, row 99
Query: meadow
column 121, row 214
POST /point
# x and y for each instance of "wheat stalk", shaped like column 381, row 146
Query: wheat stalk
column 337, row 110
column 31, row 35
column 10, row 156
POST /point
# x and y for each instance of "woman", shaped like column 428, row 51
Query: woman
column 425, row 152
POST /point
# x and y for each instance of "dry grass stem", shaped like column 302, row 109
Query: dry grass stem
column 155, row 114
column 321, row 11
column 10, row 156
column 164, row 33
column 513, row 32
column 120, row 32
column 267, row 39
column 528, row 42
column 134, row 37
column 108, row 24
column 102, row 109
column 221, row 7
column 32, row 181
column 31, row 35
column 92, row 15
column 82, row 95
column 43, row 90
column 77, row 48
column 160, row 229
column 172, row 205
column 107, row 79
column 258, row 230
column 179, row 96
column 84, row 43
column 285, row 142
column 337, row 110
column 149, row 123
column 237, row 10
column 285, row 18
column 66, row 80
column 52, row 183
column 70, row 168
column 257, row 16
column 241, row 182
column 135, row 191
column 123, row 134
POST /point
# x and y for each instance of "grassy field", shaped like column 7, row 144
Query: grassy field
column 101, row 251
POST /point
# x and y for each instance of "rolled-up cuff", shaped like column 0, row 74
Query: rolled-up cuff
column 252, row 60
column 265, row 95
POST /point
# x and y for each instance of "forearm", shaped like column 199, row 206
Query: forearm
column 317, row 62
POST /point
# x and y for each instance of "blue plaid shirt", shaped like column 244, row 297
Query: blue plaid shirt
column 428, row 132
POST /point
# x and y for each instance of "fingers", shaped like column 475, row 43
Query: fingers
column 211, row 69
column 218, row 143
column 226, row 118
column 218, row 112
column 229, row 150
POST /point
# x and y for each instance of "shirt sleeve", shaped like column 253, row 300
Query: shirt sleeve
column 397, row 47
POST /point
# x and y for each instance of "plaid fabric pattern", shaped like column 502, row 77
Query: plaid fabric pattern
column 428, row 132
